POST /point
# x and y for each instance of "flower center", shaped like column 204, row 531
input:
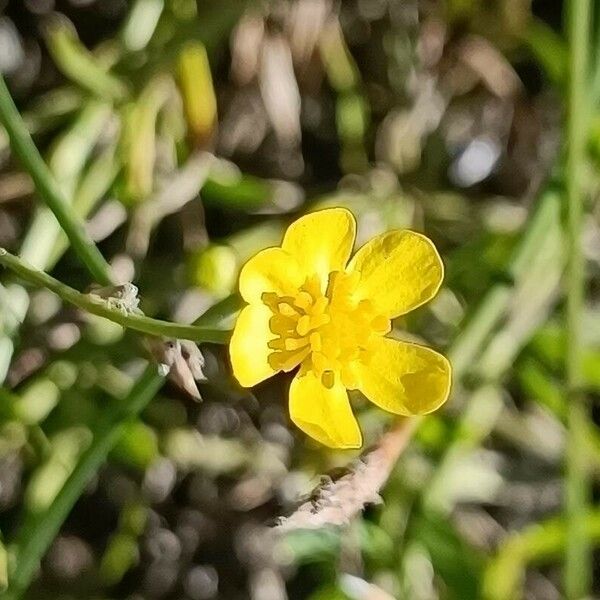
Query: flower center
column 325, row 332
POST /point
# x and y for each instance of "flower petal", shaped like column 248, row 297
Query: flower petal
column 324, row 414
column 271, row 270
column 399, row 271
column 321, row 241
column 404, row 378
column 248, row 348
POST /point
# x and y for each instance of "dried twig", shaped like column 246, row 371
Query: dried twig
column 338, row 502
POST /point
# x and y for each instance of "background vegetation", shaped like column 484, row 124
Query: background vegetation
column 186, row 135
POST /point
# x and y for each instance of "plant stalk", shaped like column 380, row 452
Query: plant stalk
column 24, row 148
column 102, row 307
column 577, row 567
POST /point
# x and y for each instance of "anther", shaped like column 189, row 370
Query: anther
column 328, row 379
column 304, row 300
column 295, row 343
column 303, row 326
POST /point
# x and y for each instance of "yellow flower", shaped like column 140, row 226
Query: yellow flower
column 309, row 307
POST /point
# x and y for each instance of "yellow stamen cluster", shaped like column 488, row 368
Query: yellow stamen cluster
column 323, row 331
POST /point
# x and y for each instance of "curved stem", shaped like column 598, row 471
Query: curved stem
column 28, row 154
column 101, row 307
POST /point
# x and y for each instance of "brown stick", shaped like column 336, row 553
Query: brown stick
column 337, row 502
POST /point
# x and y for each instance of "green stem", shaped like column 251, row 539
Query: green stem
column 577, row 572
column 28, row 154
column 538, row 544
column 101, row 307
column 39, row 530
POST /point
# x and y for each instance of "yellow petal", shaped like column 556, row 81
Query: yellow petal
column 271, row 270
column 248, row 348
column 321, row 241
column 399, row 271
column 324, row 414
column 404, row 378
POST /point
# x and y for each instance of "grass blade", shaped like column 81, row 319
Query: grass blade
column 577, row 571
column 39, row 530
column 28, row 154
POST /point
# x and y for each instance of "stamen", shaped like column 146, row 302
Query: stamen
column 323, row 332
column 279, row 322
column 319, row 362
column 304, row 301
column 320, row 305
column 295, row 343
column 328, row 379
column 287, row 310
column 276, row 344
column 304, row 325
